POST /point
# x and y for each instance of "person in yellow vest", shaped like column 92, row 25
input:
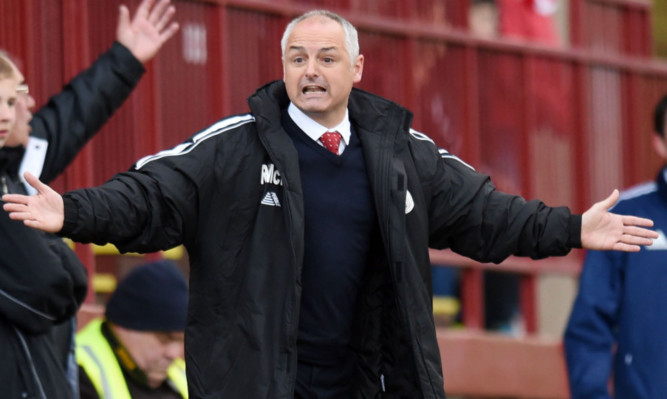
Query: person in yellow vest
column 136, row 350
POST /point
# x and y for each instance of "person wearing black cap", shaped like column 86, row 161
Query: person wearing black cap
column 136, row 351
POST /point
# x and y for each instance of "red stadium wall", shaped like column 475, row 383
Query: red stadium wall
column 566, row 125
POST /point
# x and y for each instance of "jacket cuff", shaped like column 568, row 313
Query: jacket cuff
column 125, row 63
column 574, row 241
column 71, row 215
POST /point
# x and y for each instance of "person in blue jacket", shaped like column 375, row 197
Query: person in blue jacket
column 618, row 323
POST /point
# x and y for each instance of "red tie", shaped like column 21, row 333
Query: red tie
column 331, row 141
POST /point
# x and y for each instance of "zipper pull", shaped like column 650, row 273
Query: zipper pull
column 5, row 190
column 382, row 383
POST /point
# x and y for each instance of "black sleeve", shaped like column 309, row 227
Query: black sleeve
column 152, row 207
column 71, row 118
column 468, row 215
column 36, row 290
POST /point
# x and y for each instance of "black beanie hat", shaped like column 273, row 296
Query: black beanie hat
column 152, row 297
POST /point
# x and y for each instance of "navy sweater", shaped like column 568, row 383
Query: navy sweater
column 340, row 221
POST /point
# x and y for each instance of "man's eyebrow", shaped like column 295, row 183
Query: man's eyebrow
column 322, row 50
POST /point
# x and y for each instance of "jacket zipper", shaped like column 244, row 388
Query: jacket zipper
column 395, row 271
column 5, row 189
column 293, row 331
column 385, row 175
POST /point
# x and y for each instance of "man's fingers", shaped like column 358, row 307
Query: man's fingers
column 35, row 224
column 169, row 32
column 609, row 201
column 626, row 248
column 635, row 240
column 123, row 17
column 165, row 18
column 639, row 232
column 35, row 182
column 157, row 12
column 14, row 199
column 637, row 221
column 14, row 207
column 24, row 216
column 144, row 9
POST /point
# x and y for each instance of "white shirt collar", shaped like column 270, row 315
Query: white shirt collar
column 313, row 129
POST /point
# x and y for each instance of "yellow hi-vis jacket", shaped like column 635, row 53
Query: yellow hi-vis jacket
column 95, row 355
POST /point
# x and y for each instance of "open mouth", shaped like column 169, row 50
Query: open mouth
column 312, row 89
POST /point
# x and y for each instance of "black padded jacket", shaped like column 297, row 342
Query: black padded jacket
column 232, row 194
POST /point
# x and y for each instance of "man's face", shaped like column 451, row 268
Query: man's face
column 7, row 108
column 317, row 71
column 154, row 352
column 21, row 132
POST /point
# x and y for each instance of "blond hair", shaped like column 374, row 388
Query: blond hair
column 6, row 69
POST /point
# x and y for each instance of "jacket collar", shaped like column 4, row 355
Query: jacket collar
column 377, row 115
column 368, row 112
column 267, row 105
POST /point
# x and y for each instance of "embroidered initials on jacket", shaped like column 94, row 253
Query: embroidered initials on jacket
column 270, row 175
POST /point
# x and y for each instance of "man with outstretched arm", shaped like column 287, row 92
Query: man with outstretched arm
column 307, row 224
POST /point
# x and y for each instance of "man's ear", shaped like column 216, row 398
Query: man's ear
column 660, row 146
column 358, row 68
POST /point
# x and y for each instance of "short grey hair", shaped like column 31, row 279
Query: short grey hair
column 351, row 35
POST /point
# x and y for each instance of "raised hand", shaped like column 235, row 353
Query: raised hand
column 148, row 30
column 44, row 211
column 603, row 230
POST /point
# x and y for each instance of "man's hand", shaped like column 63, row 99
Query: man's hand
column 603, row 230
column 44, row 211
column 148, row 30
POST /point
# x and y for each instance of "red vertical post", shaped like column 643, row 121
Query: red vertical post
column 528, row 301
column 628, row 99
column 409, row 44
column 217, row 26
column 647, row 31
column 472, row 147
column 528, row 282
column 581, row 109
column 576, row 23
column 146, row 111
column 528, row 127
column 225, row 58
column 472, row 295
